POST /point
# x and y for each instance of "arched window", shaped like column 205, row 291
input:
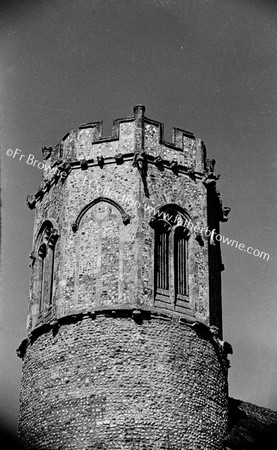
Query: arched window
column 171, row 258
column 44, row 269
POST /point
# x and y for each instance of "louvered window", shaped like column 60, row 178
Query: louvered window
column 162, row 259
column 180, row 262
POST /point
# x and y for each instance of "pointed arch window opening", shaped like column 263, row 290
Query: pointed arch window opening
column 45, row 270
column 171, row 258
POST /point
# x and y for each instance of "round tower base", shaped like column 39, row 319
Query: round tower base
column 112, row 383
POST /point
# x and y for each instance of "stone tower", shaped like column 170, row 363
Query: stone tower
column 124, row 346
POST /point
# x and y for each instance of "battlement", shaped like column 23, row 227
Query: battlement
column 130, row 135
column 135, row 140
column 178, row 134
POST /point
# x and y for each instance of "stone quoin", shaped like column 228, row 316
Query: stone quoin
column 124, row 342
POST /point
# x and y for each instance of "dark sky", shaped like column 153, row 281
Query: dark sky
column 208, row 66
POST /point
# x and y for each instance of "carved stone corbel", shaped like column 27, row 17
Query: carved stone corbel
column 21, row 350
column 46, row 186
column 31, row 201
column 174, row 165
column 119, row 158
column 214, row 330
column 55, row 326
column 32, row 258
column 46, row 152
column 100, row 160
column 74, row 227
column 137, row 315
column 210, row 163
column 211, row 179
column 126, row 219
column 158, row 160
column 225, row 213
column 139, row 161
column 84, row 164
column 227, row 348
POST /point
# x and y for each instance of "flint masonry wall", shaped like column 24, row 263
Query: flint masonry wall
column 101, row 195
column 86, row 180
column 110, row 383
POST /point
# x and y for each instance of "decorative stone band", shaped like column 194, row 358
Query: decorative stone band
column 62, row 170
column 222, row 348
column 140, row 160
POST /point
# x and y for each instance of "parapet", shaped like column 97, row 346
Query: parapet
column 130, row 135
column 135, row 139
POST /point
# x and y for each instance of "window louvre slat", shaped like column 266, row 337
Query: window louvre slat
column 180, row 258
column 162, row 259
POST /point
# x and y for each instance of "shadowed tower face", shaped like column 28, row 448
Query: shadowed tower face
column 124, row 324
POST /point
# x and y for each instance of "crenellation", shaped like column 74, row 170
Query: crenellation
column 78, row 149
column 127, row 131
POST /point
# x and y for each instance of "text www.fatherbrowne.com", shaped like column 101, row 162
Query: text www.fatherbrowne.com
column 204, row 232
